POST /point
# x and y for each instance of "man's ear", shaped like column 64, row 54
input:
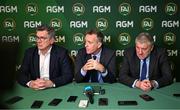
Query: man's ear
column 152, row 47
column 52, row 41
column 99, row 44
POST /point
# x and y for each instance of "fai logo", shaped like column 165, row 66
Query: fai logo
column 171, row 8
column 124, row 38
column 169, row 38
column 125, row 9
column 31, row 8
column 9, row 24
column 147, row 24
column 56, row 24
column 78, row 9
column 32, row 38
column 78, row 38
column 102, row 24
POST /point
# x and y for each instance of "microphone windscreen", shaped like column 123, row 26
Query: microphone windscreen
column 88, row 88
column 94, row 57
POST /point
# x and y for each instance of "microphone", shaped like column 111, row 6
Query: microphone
column 94, row 57
column 89, row 93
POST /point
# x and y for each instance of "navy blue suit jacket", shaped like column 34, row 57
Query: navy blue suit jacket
column 60, row 70
column 159, row 67
column 107, row 59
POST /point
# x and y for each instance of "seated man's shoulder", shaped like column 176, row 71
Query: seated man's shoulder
column 31, row 49
column 106, row 49
column 59, row 48
column 130, row 50
column 82, row 50
column 159, row 50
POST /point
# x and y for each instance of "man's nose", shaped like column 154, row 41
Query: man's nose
column 140, row 51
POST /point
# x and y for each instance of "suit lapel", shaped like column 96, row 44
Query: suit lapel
column 137, row 66
column 103, row 57
column 52, row 61
column 87, row 57
column 151, row 64
column 36, row 63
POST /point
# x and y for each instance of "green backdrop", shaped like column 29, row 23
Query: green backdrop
column 120, row 21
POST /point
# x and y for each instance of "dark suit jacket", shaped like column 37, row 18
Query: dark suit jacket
column 107, row 59
column 60, row 71
column 159, row 69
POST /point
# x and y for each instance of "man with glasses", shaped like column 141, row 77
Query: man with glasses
column 145, row 66
column 46, row 65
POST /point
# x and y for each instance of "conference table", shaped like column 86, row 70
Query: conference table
column 163, row 97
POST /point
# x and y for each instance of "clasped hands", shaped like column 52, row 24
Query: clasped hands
column 145, row 85
column 40, row 83
column 93, row 64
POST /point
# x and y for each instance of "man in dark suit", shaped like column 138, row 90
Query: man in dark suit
column 46, row 65
column 145, row 66
column 95, row 63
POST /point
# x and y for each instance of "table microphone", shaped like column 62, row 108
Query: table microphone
column 89, row 93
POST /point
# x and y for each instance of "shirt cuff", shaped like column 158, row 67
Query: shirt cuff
column 28, row 83
column 104, row 73
column 83, row 72
column 155, row 84
column 134, row 84
column 53, row 85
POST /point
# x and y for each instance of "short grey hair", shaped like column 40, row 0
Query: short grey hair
column 99, row 34
column 144, row 38
column 49, row 29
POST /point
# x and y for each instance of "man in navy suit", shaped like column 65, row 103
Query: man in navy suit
column 46, row 65
column 145, row 66
column 95, row 63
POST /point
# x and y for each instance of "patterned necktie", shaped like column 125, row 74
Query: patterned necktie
column 144, row 70
column 94, row 73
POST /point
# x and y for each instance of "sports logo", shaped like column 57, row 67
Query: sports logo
column 32, row 38
column 102, row 24
column 9, row 24
column 56, row 24
column 171, row 9
column 169, row 38
column 124, row 38
column 78, row 38
column 125, row 9
column 31, row 8
column 78, row 9
column 147, row 24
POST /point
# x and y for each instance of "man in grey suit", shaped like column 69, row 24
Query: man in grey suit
column 145, row 66
column 46, row 65
column 95, row 63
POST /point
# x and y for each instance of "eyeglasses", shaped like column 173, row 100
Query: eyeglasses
column 41, row 38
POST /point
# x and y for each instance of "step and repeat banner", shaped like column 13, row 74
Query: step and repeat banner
column 119, row 20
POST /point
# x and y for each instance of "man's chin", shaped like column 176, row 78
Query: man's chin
column 141, row 58
column 88, row 52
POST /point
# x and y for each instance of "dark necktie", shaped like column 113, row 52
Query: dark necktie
column 94, row 73
column 144, row 70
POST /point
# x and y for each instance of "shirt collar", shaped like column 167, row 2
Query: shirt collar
column 147, row 59
column 98, row 54
column 48, row 52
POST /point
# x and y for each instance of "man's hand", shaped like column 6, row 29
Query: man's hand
column 93, row 64
column 144, row 85
column 40, row 84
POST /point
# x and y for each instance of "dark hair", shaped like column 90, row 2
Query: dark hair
column 99, row 34
column 144, row 38
column 47, row 28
